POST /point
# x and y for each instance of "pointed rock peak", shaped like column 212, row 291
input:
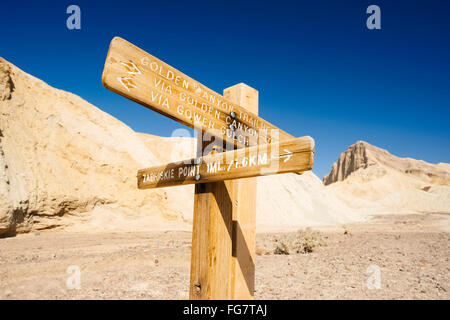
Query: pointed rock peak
column 356, row 156
column 362, row 155
column 365, row 145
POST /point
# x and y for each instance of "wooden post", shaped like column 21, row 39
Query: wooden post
column 223, row 233
column 244, row 211
column 211, row 239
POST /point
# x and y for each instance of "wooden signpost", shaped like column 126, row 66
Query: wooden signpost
column 223, row 236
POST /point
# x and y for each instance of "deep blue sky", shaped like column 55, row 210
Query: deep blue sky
column 318, row 69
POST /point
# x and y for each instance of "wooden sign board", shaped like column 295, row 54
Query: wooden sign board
column 296, row 155
column 141, row 77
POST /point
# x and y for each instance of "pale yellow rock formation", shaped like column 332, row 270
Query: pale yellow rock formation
column 366, row 176
column 64, row 162
column 362, row 155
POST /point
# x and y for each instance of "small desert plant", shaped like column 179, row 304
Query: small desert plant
column 281, row 248
column 303, row 241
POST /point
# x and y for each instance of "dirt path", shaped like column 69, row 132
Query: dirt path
column 410, row 253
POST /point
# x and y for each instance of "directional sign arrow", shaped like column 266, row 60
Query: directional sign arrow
column 127, row 82
column 241, row 163
column 131, row 68
column 288, row 154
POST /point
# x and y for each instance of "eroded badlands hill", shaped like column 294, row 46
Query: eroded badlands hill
column 366, row 176
column 64, row 162
column 363, row 155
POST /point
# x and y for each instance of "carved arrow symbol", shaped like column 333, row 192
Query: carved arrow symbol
column 131, row 67
column 127, row 82
column 286, row 155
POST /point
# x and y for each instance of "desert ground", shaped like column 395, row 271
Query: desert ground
column 412, row 253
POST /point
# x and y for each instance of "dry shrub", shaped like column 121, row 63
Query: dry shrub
column 303, row 241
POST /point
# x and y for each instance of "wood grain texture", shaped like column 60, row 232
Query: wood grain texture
column 210, row 276
column 296, row 155
column 226, row 278
column 244, row 212
column 141, row 77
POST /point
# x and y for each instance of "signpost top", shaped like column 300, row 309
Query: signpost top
column 143, row 78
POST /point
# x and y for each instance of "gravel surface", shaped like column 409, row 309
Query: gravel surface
column 389, row 257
